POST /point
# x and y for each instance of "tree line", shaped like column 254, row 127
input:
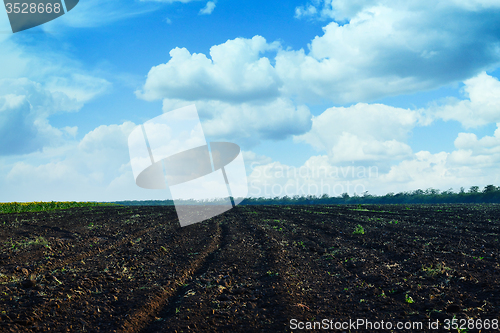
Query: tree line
column 489, row 194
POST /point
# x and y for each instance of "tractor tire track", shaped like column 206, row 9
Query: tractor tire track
column 147, row 313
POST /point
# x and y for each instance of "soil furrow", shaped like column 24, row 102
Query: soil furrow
column 59, row 264
column 142, row 318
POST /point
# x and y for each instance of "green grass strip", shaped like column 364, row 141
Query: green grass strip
column 22, row 207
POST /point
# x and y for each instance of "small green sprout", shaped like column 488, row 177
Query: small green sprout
column 359, row 230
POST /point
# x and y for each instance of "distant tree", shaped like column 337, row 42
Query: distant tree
column 448, row 192
column 418, row 192
column 462, row 190
column 490, row 189
column 474, row 189
column 345, row 195
column 431, row 191
column 434, row 191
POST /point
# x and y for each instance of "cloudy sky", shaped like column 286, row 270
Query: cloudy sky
column 322, row 96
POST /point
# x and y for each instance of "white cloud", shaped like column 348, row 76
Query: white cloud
column 352, row 148
column 208, row 9
column 376, row 135
column 25, row 106
column 71, row 130
column 236, row 91
column 384, row 49
column 345, row 10
column 363, row 132
column 308, row 11
column 235, row 72
column 320, row 175
column 16, row 62
column 35, row 85
column 482, row 106
column 389, row 49
column 79, row 87
column 251, row 157
column 425, row 169
column 55, row 85
column 443, row 170
column 470, row 141
column 372, row 134
column 248, row 122
column 96, row 168
column 317, row 176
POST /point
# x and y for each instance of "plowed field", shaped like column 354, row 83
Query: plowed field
column 252, row 269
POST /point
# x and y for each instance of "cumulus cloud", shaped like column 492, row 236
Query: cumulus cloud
column 487, row 144
column 383, row 49
column 25, row 106
column 390, row 48
column 481, row 106
column 363, row 143
column 480, row 154
column 235, row 73
column 208, row 9
column 17, row 131
column 308, row 11
column 236, row 91
column 376, row 134
column 363, row 132
column 18, row 63
column 462, row 167
column 248, row 122
column 251, row 157
column 34, row 86
column 345, row 10
column 317, row 176
column 477, row 162
column 95, row 168
column 367, row 137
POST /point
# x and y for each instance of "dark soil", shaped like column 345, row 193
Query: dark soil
column 251, row 269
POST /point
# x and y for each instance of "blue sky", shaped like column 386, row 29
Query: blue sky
column 323, row 96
